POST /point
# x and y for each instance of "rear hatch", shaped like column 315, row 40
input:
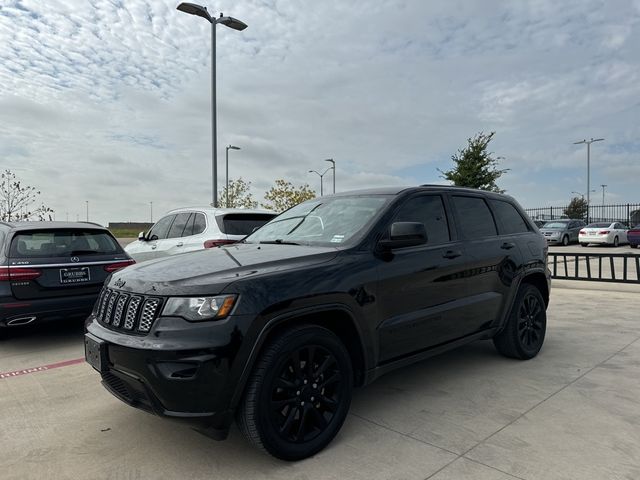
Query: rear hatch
column 61, row 262
column 238, row 225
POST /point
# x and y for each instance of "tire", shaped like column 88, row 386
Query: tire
column 616, row 242
column 584, row 244
column 523, row 334
column 632, row 245
column 286, row 411
column 565, row 241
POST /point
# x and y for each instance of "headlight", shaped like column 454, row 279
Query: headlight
column 197, row 309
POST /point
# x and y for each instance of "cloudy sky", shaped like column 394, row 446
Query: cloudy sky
column 108, row 100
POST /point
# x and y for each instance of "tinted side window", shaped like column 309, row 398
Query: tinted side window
column 178, row 225
column 188, row 230
column 199, row 224
column 510, row 218
column 474, row 217
column 160, row 229
column 429, row 210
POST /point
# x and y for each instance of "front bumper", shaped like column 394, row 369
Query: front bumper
column 189, row 381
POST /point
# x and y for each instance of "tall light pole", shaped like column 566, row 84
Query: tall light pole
column 333, row 167
column 87, row 202
column 229, row 147
column 588, row 143
column 603, row 187
column 151, row 211
column 200, row 11
column 321, row 175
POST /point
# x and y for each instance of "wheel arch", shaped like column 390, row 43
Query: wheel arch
column 336, row 318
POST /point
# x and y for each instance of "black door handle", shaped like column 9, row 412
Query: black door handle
column 452, row 254
column 507, row 246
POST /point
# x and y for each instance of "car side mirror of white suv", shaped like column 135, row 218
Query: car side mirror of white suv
column 141, row 237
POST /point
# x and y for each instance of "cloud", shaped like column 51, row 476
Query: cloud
column 109, row 101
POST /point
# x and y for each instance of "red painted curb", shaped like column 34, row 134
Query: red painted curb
column 42, row 368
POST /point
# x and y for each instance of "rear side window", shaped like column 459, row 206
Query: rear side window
column 178, row 226
column 242, row 223
column 428, row 210
column 199, row 224
column 474, row 217
column 62, row 243
column 510, row 219
column 161, row 228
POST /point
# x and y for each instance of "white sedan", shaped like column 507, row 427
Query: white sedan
column 604, row 233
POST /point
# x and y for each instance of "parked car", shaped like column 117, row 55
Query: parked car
column 562, row 232
column 276, row 330
column 196, row 228
column 604, row 233
column 53, row 270
column 539, row 223
column 633, row 236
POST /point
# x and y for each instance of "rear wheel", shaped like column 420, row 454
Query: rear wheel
column 584, row 244
column 298, row 395
column 616, row 242
column 523, row 335
column 633, row 245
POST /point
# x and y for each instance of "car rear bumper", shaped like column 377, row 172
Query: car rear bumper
column 12, row 311
column 596, row 240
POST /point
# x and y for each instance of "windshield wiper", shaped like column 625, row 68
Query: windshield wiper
column 278, row 241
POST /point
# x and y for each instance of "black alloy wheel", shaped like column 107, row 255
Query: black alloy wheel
column 298, row 395
column 523, row 335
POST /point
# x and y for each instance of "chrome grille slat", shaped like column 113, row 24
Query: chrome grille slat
column 132, row 312
column 117, row 315
column 148, row 314
column 112, row 300
column 104, row 296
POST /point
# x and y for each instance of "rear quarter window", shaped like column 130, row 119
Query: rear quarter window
column 509, row 218
column 242, row 223
column 62, row 243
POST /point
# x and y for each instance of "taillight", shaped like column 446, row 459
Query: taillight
column 217, row 243
column 18, row 274
column 603, row 232
column 582, row 232
column 112, row 267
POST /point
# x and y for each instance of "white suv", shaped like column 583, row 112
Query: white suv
column 195, row 228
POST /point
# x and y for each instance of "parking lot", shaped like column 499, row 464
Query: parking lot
column 572, row 412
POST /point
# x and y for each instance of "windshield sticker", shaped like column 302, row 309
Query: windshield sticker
column 337, row 239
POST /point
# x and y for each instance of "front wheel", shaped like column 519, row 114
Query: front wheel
column 565, row 240
column 298, row 394
column 523, row 335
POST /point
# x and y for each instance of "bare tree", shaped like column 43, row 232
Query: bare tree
column 20, row 202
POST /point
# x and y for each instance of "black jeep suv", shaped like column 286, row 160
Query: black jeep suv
column 277, row 330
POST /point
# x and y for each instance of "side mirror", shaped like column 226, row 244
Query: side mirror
column 141, row 237
column 405, row 234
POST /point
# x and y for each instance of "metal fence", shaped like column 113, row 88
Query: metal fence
column 600, row 267
column 628, row 213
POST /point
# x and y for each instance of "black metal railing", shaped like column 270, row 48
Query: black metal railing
column 599, row 267
column 627, row 213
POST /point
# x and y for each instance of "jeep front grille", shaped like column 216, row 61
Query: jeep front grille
column 123, row 311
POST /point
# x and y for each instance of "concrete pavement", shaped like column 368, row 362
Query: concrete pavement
column 571, row 413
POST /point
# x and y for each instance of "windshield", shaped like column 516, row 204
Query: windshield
column 556, row 225
column 330, row 222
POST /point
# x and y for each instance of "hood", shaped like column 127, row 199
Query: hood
column 211, row 271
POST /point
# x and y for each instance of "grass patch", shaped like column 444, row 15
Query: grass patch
column 124, row 232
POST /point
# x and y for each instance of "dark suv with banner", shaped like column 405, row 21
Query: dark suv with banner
column 53, row 270
column 276, row 331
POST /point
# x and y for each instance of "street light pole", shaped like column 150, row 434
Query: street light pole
column 151, row 211
column 87, row 202
column 321, row 175
column 229, row 147
column 588, row 143
column 200, row 11
column 603, row 187
column 333, row 167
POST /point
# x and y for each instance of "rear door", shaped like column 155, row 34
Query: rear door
column 53, row 263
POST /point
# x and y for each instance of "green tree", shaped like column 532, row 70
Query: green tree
column 634, row 218
column 238, row 196
column 20, row 202
column 577, row 208
column 475, row 167
column 284, row 195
